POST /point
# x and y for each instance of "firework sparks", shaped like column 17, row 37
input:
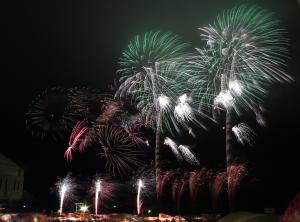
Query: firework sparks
column 138, row 198
column 51, row 113
column 183, row 110
column 197, row 179
column 244, row 55
column 292, row 213
column 225, row 98
column 118, row 148
column 176, row 187
column 134, row 130
column 174, row 147
column 164, row 178
column 102, row 189
column 78, row 132
column 235, row 87
column 218, row 183
column 65, row 188
column 236, row 173
column 110, row 110
column 87, row 102
column 243, row 133
column 188, row 155
column 97, row 191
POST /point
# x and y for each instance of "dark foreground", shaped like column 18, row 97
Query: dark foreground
column 234, row 217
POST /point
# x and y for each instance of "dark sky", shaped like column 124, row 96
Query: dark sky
column 77, row 43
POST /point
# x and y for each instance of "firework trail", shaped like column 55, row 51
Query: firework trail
column 217, row 185
column 75, row 141
column 197, row 179
column 188, row 155
column 51, row 113
column 292, row 213
column 138, row 198
column 174, row 147
column 103, row 190
column 236, row 173
column 65, row 187
column 243, row 133
column 259, row 116
column 97, row 191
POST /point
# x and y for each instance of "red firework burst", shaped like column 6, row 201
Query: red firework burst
column 292, row 213
column 217, row 185
column 78, row 133
column 164, row 178
column 197, row 179
column 236, row 173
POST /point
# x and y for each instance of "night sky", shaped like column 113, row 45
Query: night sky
column 78, row 43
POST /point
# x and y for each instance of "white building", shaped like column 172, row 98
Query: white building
column 11, row 181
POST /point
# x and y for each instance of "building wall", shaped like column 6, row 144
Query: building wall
column 11, row 180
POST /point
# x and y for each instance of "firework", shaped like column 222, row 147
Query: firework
column 51, row 113
column 197, row 179
column 183, row 110
column 118, row 148
column 236, row 173
column 292, row 213
column 245, row 53
column 103, row 190
column 174, row 147
column 97, row 191
column 87, row 102
column 111, row 109
column 243, row 133
column 151, row 70
column 134, row 130
column 176, row 187
column 65, row 189
column 78, row 132
column 188, row 155
column 184, row 187
column 217, row 185
column 138, row 198
column 164, row 178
